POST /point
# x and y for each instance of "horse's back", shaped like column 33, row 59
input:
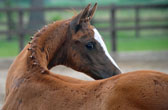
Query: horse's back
column 140, row 90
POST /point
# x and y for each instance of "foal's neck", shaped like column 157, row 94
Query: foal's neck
column 45, row 44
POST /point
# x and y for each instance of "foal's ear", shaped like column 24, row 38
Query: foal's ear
column 83, row 17
column 92, row 11
column 77, row 20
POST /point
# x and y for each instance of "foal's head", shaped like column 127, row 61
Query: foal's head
column 84, row 49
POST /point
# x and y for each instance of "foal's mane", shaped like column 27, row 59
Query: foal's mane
column 33, row 47
column 41, row 37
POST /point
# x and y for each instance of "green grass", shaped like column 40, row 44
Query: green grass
column 8, row 48
column 126, row 42
column 139, row 44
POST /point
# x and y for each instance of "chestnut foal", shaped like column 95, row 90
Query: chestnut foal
column 75, row 43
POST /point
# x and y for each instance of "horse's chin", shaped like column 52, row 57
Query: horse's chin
column 98, row 75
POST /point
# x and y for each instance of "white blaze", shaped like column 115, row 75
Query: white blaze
column 98, row 37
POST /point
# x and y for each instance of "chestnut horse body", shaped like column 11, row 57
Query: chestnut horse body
column 76, row 44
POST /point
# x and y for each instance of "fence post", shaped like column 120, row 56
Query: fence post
column 137, row 20
column 9, row 24
column 20, row 30
column 113, row 31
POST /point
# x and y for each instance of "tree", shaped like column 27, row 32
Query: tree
column 10, row 20
column 36, row 20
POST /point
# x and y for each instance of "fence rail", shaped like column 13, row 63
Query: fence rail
column 113, row 28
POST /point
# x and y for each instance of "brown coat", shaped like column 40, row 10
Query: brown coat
column 140, row 90
column 31, row 86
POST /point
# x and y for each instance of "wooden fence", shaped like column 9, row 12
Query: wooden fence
column 113, row 21
column 113, row 29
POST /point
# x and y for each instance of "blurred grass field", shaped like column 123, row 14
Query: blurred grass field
column 126, row 42
column 149, row 40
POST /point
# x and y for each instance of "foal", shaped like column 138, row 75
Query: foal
column 75, row 43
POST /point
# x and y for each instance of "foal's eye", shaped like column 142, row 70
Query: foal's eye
column 90, row 45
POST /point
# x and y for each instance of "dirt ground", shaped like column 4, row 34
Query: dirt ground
column 129, row 61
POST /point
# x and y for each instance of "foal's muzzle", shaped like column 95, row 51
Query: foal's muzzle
column 103, row 74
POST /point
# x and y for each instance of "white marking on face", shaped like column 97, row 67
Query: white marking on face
column 98, row 37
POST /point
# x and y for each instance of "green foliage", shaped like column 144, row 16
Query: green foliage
column 1, row 15
column 101, row 2
column 57, row 17
column 126, row 2
column 63, row 3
